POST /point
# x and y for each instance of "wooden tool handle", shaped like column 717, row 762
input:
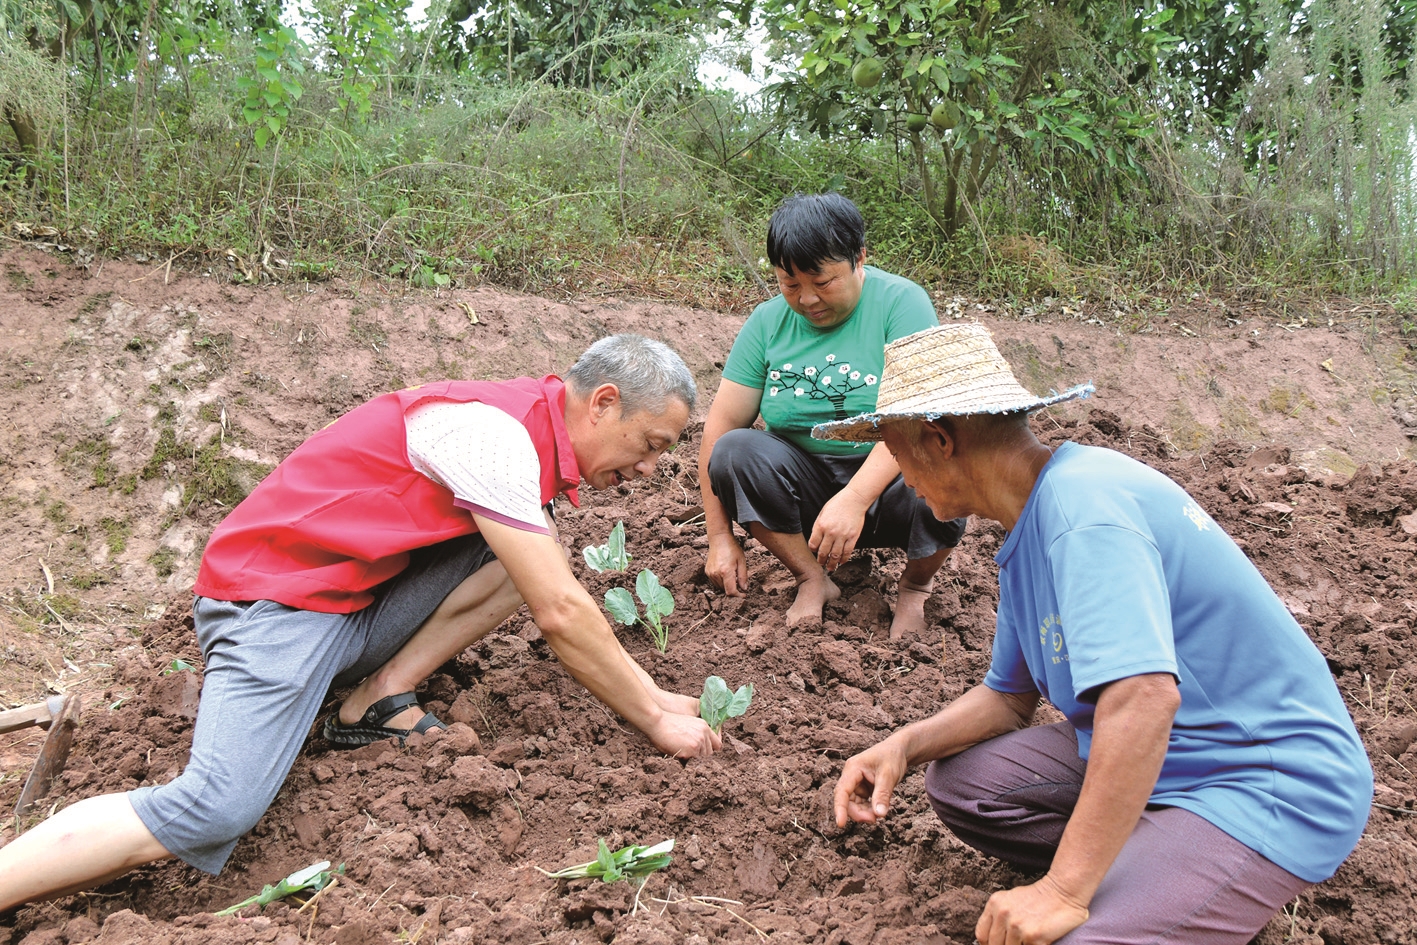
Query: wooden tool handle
column 41, row 713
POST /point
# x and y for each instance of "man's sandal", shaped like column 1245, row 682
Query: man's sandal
column 371, row 727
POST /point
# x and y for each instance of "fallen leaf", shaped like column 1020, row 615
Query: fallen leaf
column 471, row 315
column 1327, row 365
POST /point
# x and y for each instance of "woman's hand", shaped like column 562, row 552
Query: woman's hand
column 837, row 528
column 726, row 565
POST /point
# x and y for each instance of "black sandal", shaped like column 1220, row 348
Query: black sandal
column 371, row 728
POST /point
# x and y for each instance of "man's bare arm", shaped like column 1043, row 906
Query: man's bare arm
column 584, row 642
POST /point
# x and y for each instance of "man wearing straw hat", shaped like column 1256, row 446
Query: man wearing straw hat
column 1208, row 770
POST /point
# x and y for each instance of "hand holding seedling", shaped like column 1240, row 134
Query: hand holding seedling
column 1040, row 913
column 863, row 792
column 718, row 704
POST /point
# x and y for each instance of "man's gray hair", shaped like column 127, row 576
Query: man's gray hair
column 646, row 371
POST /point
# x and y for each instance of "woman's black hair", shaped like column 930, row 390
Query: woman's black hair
column 807, row 230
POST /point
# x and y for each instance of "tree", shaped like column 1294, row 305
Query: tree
column 964, row 81
column 534, row 39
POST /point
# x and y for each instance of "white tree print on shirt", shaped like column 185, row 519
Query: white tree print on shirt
column 830, row 382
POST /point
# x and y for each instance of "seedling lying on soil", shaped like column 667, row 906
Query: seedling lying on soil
column 659, row 603
column 625, row 863
column 178, row 666
column 717, row 705
column 610, row 556
column 311, row 879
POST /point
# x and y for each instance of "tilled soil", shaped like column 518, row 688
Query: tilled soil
column 440, row 839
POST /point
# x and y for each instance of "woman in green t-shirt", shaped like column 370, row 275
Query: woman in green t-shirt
column 811, row 355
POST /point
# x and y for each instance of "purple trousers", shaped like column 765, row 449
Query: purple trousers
column 1179, row 879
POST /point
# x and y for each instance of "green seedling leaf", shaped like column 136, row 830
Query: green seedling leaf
column 609, row 868
column 621, row 605
column 610, row 556
column 312, row 878
column 656, row 598
column 718, row 704
column 177, row 666
column 632, row 861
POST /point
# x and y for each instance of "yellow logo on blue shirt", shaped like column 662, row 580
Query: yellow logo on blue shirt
column 1197, row 516
column 1050, row 638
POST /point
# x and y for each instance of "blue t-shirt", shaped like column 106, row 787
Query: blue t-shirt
column 1113, row 571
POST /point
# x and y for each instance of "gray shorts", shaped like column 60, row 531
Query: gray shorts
column 268, row 669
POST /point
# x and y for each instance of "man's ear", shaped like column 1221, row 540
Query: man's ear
column 602, row 400
column 938, row 439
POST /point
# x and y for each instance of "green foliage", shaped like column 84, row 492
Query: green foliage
column 631, row 862
column 311, row 879
column 718, row 703
column 181, row 666
column 960, row 82
column 610, row 556
column 362, row 38
column 273, row 91
column 658, row 603
column 571, row 42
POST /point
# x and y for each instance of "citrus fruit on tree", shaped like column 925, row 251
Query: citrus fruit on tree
column 944, row 116
column 915, row 122
column 867, row 73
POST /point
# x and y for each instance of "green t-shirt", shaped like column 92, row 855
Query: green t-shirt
column 811, row 375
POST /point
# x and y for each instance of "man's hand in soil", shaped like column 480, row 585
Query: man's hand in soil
column 684, row 736
column 863, row 793
column 1029, row 915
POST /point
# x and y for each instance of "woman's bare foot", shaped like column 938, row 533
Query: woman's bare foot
column 910, row 607
column 813, row 594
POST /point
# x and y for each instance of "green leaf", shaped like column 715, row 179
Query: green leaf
column 656, row 598
column 621, row 605
column 609, row 871
column 610, row 556
column 177, row 666
column 717, row 704
column 263, row 134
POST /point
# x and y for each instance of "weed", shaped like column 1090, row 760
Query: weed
column 92, row 303
column 57, row 512
column 116, row 533
column 93, row 454
column 164, row 562
column 220, row 478
column 86, row 580
column 163, row 453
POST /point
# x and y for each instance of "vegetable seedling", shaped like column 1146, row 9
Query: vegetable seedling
column 610, row 556
column 628, row 862
column 312, row 879
column 178, row 666
column 659, row 603
column 717, row 704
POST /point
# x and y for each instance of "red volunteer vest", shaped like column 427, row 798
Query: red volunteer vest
column 341, row 513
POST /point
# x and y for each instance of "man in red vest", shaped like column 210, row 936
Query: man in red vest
column 381, row 548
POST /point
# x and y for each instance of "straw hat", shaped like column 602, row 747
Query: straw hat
column 949, row 370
